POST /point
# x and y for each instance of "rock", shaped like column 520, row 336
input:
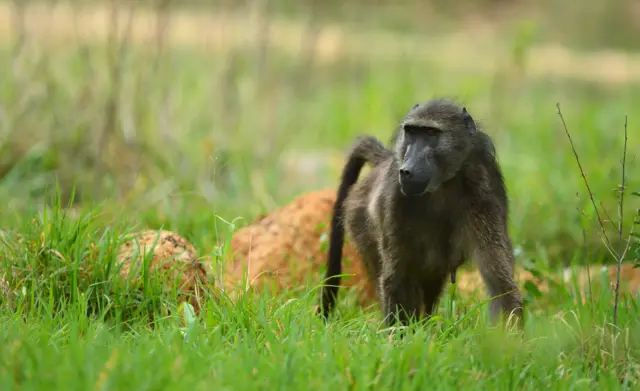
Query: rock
column 174, row 258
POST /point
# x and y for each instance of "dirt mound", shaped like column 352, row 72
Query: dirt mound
column 287, row 248
column 629, row 278
column 174, row 260
column 470, row 282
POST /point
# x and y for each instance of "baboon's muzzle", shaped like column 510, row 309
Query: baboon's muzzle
column 413, row 183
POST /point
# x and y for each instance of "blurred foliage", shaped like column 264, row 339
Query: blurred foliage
column 177, row 130
column 588, row 24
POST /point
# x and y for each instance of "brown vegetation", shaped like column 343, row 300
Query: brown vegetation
column 174, row 261
column 5, row 291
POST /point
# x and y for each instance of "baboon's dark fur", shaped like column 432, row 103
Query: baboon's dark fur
column 414, row 229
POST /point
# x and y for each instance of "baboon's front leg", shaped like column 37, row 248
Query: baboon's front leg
column 400, row 292
column 494, row 256
column 400, row 299
column 431, row 291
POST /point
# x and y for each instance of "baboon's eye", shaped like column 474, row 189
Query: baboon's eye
column 419, row 129
column 430, row 131
column 410, row 129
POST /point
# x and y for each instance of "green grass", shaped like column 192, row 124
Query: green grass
column 197, row 142
column 73, row 328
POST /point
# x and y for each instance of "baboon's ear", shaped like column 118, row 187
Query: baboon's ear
column 413, row 108
column 468, row 120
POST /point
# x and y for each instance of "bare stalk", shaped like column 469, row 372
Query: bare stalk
column 586, row 183
column 308, row 48
column 262, row 40
column 20, row 30
column 82, row 44
column 620, row 222
column 163, row 15
column 116, row 64
column 586, row 255
column 162, row 28
column 622, row 249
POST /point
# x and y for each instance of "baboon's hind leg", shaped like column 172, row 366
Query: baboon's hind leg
column 362, row 232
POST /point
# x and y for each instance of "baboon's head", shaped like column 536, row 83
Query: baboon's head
column 432, row 143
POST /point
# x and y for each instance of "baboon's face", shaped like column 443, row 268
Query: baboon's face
column 432, row 144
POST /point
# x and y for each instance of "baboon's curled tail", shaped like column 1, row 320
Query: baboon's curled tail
column 365, row 149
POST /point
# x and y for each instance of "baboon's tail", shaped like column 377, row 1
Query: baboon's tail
column 365, row 149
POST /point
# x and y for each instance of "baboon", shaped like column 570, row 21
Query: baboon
column 424, row 209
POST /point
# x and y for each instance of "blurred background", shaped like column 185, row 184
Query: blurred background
column 192, row 114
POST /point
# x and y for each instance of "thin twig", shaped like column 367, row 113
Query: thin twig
column 609, row 219
column 584, row 177
column 630, row 235
column 620, row 221
column 586, row 251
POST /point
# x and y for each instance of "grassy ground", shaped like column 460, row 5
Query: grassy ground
column 200, row 141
